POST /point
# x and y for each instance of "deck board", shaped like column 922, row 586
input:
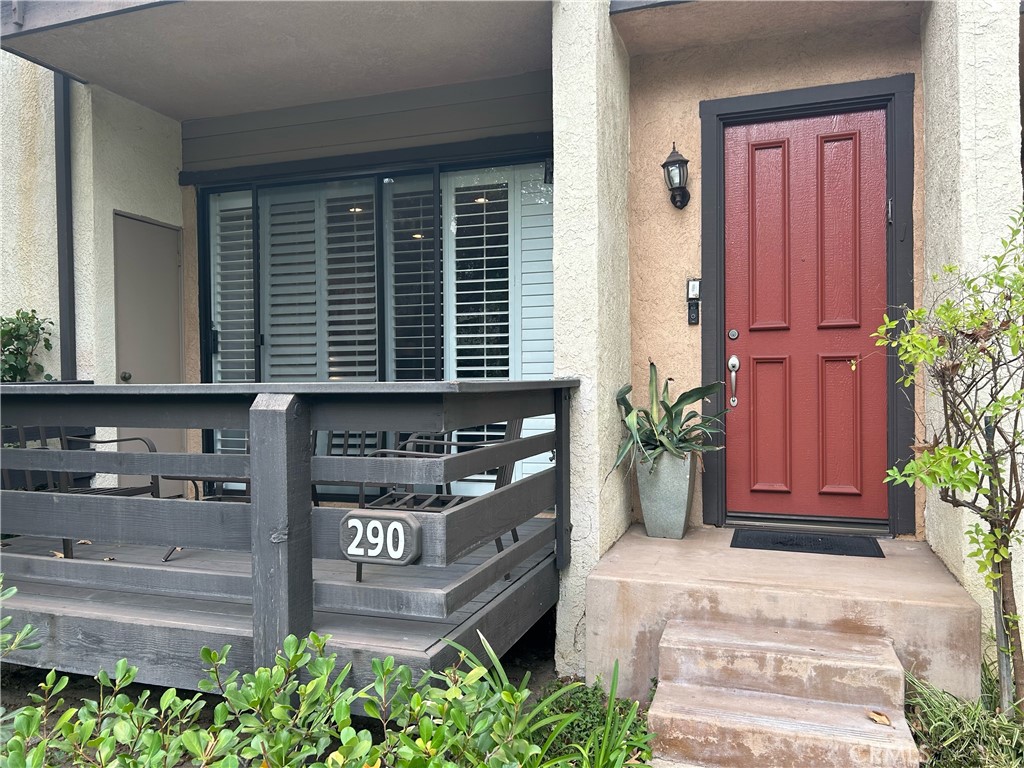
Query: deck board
column 84, row 628
column 421, row 591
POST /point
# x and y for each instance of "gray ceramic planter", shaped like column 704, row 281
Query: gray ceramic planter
column 666, row 494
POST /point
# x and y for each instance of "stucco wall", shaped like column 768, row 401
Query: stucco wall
column 972, row 183
column 126, row 159
column 591, row 270
column 666, row 90
column 28, row 218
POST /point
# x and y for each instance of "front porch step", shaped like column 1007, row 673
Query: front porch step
column 813, row 664
column 696, row 725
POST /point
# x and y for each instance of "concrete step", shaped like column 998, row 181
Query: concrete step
column 815, row 664
column 908, row 596
column 728, row 728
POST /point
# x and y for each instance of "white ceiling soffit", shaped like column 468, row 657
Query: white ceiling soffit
column 664, row 28
column 198, row 58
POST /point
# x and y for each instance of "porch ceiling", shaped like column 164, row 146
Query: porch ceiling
column 663, row 28
column 193, row 59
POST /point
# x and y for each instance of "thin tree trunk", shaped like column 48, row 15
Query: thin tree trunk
column 1013, row 627
column 1003, row 661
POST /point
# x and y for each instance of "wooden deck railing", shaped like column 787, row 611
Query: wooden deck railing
column 279, row 526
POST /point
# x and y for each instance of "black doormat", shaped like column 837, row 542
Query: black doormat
column 815, row 543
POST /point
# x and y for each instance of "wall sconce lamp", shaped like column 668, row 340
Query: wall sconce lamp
column 675, row 177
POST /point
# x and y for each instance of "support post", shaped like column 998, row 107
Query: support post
column 563, row 519
column 282, row 544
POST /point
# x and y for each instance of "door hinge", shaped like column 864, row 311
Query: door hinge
column 888, row 210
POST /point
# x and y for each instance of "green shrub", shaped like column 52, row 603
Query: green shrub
column 597, row 712
column 299, row 713
column 954, row 733
column 10, row 642
column 20, row 337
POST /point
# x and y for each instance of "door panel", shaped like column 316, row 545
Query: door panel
column 147, row 299
column 805, row 272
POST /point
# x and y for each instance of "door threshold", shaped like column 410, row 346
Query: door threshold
column 811, row 525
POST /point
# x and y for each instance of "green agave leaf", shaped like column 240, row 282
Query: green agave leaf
column 697, row 394
column 653, row 384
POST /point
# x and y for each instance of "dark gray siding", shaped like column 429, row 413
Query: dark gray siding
column 440, row 115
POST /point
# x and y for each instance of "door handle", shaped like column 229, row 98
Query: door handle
column 734, row 366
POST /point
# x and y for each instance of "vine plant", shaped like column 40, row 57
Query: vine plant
column 969, row 349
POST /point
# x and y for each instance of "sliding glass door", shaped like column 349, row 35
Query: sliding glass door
column 406, row 278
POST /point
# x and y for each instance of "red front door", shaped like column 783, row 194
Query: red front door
column 805, row 277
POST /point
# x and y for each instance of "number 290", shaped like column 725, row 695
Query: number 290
column 378, row 538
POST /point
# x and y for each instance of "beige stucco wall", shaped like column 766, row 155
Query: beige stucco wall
column 28, row 217
column 126, row 159
column 972, row 182
column 665, row 95
column 591, row 272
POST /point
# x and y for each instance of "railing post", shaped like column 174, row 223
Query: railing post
column 282, row 544
column 563, row 520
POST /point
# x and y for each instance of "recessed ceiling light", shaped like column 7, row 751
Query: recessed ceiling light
column 480, row 200
column 355, row 209
column 417, row 236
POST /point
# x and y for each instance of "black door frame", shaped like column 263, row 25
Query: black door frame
column 896, row 96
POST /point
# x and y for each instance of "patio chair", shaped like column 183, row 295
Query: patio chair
column 66, row 482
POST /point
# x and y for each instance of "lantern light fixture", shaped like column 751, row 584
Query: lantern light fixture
column 675, row 177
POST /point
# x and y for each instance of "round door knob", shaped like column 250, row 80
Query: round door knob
column 126, row 376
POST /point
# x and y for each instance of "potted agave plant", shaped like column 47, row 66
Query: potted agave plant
column 665, row 442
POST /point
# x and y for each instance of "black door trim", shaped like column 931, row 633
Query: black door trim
column 896, row 96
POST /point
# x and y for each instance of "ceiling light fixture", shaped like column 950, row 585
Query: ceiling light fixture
column 355, row 210
column 417, row 236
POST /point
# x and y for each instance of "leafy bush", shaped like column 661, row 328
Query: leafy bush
column 968, row 349
column 953, row 733
column 594, row 709
column 10, row 642
column 606, row 732
column 299, row 713
column 20, row 337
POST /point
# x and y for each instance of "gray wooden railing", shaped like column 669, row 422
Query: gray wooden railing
column 279, row 526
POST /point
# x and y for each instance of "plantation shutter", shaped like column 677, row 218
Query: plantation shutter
column 318, row 264
column 233, row 300
column 351, row 283
column 478, row 277
column 414, row 278
column 290, row 262
column 498, row 283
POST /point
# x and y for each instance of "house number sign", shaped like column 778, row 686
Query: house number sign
column 387, row 537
